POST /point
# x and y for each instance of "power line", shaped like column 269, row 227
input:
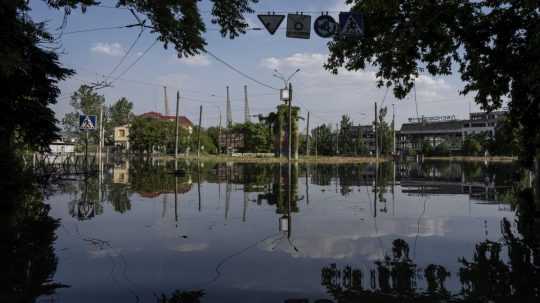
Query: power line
column 127, row 53
column 96, row 29
column 240, row 72
column 136, row 61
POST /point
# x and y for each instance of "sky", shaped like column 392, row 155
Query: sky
column 202, row 80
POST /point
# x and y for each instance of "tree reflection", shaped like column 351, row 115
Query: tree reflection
column 27, row 258
column 282, row 189
column 86, row 203
column 178, row 296
column 502, row 271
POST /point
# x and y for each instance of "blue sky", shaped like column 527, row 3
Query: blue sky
column 202, row 80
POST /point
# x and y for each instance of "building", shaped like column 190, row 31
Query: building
column 62, row 146
column 121, row 136
column 121, row 133
column 447, row 129
column 183, row 121
column 483, row 123
column 367, row 134
column 231, row 142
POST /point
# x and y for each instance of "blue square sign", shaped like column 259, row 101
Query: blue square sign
column 87, row 122
column 351, row 24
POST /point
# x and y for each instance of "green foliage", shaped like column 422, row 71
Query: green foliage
column 88, row 102
column 471, row 146
column 324, row 140
column 29, row 72
column 257, row 137
column 384, row 133
column 443, row 149
column 148, row 135
column 120, row 112
column 494, row 45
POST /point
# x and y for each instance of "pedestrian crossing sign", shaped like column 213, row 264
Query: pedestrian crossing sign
column 87, row 122
column 351, row 24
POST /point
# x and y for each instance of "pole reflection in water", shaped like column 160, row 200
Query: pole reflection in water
column 354, row 252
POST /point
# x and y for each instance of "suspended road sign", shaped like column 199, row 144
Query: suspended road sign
column 271, row 22
column 298, row 26
column 87, row 122
column 325, row 26
column 351, row 24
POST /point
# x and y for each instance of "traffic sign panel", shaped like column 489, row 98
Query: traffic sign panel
column 271, row 22
column 87, row 122
column 298, row 26
column 325, row 26
column 351, row 24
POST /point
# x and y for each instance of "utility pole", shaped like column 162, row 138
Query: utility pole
column 246, row 106
column 394, row 128
column 166, row 100
column 376, row 136
column 219, row 133
column 316, row 141
column 176, row 130
column 199, row 134
column 229, row 110
column 290, row 124
column 100, row 144
column 337, row 139
column 307, row 136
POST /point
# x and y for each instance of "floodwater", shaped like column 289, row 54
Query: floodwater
column 272, row 233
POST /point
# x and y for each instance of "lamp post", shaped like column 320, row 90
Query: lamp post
column 286, row 95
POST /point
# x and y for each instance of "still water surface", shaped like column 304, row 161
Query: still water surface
column 254, row 233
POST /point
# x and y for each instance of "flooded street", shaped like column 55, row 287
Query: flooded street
column 249, row 233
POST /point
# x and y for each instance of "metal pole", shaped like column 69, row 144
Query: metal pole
column 316, row 142
column 376, row 136
column 176, row 130
column 219, row 134
column 394, row 127
column 86, row 152
column 199, row 134
column 307, row 136
column 337, row 139
column 290, row 123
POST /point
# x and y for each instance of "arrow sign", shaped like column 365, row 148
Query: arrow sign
column 271, row 22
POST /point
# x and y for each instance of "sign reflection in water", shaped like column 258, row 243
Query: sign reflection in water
column 435, row 232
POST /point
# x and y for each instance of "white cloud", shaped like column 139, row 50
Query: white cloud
column 110, row 49
column 191, row 247
column 200, row 60
column 354, row 92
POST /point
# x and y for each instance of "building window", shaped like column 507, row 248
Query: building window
column 122, row 133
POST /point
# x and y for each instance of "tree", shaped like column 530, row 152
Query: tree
column 88, row 102
column 471, row 146
column 325, row 140
column 256, row 137
column 384, row 133
column 120, row 112
column 494, row 45
column 29, row 64
column 347, row 140
column 29, row 72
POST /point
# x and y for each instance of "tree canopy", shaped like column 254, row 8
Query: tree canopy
column 492, row 44
column 30, row 68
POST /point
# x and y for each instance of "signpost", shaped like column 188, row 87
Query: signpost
column 271, row 22
column 298, row 26
column 351, row 24
column 325, row 26
column 87, row 123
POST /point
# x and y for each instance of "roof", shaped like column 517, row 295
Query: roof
column 184, row 121
column 453, row 126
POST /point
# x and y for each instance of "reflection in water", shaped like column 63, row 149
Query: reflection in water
column 386, row 234
column 27, row 257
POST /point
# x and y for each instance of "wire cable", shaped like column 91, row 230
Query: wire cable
column 136, row 61
column 126, row 54
column 95, row 29
column 239, row 71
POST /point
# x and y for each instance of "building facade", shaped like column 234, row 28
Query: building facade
column 436, row 130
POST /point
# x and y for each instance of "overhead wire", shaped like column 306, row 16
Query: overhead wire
column 239, row 71
column 136, row 61
column 126, row 53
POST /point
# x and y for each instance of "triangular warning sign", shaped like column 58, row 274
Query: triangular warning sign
column 352, row 27
column 87, row 123
column 271, row 22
